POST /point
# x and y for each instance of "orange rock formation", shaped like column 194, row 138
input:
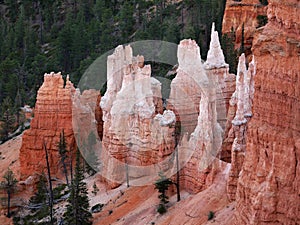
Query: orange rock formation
column 238, row 13
column 52, row 114
column 269, row 184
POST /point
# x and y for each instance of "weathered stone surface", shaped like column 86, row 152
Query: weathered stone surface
column 133, row 130
column 197, row 151
column 201, row 149
column 52, row 114
column 86, row 125
column 238, row 13
column 185, row 87
column 215, row 56
column 269, row 183
column 235, row 141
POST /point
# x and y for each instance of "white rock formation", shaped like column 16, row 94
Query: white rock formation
column 215, row 56
column 186, row 86
column 133, row 132
column 239, row 95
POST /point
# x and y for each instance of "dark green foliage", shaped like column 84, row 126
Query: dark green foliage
column 39, row 203
column 231, row 55
column 77, row 212
column 242, row 47
column 262, row 20
column 95, row 189
column 8, row 185
column 161, row 209
column 59, row 35
column 59, row 191
column 97, row 208
column 7, row 119
column 40, row 200
column 264, row 2
column 63, row 152
column 41, row 195
column 203, row 14
column 162, row 185
column 211, row 215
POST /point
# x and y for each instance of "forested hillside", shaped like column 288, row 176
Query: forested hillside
column 39, row 36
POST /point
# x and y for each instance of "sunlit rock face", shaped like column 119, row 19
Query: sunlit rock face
column 269, row 183
column 133, row 132
column 52, row 115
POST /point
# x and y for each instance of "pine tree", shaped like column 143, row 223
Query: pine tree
column 41, row 195
column 126, row 20
column 162, row 185
column 62, row 149
column 8, row 118
column 9, row 185
column 77, row 212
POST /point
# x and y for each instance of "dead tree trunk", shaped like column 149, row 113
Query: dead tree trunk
column 50, row 185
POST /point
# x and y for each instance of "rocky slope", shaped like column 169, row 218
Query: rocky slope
column 269, row 184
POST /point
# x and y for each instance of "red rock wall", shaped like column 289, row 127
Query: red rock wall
column 52, row 114
column 269, row 185
column 237, row 13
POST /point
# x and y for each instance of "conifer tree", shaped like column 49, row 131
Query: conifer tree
column 9, row 185
column 8, row 118
column 77, row 212
column 162, row 185
column 62, row 149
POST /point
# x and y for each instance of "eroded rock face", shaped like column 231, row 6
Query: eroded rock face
column 269, row 183
column 241, row 100
column 217, row 71
column 52, row 114
column 133, row 130
column 185, row 91
column 87, row 125
column 238, row 13
column 198, row 151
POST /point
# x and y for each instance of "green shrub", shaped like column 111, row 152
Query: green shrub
column 211, row 215
column 262, row 20
column 264, row 2
column 97, row 208
column 161, row 209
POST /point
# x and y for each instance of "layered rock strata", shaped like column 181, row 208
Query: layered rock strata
column 52, row 115
column 269, row 183
column 185, row 91
column 198, row 151
column 87, row 125
column 243, row 12
column 217, row 71
column 134, row 132
column 242, row 101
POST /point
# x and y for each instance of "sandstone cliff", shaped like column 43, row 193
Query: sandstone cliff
column 269, row 183
column 52, row 114
column 238, row 13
